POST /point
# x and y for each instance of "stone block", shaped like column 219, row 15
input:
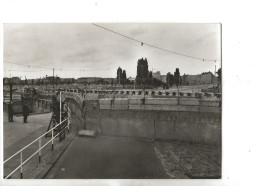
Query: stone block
column 209, row 103
column 121, row 101
column 172, row 108
column 104, row 107
column 161, row 101
column 120, row 107
column 135, row 101
column 106, row 101
column 210, row 109
column 189, row 101
column 136, row 107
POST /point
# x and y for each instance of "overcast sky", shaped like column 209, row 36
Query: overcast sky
column 99, row 52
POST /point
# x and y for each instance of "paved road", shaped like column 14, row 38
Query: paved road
column 18, row 134
column 108, row 158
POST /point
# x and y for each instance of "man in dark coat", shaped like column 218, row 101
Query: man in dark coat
column 25, row 112
column 10, row 112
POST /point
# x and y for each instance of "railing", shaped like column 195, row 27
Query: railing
column 40, row 145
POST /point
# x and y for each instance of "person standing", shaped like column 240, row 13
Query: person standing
column 10, row 111
column 25, row 112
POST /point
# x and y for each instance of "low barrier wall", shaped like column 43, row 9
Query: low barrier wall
column 166, row 104
column 184, row 119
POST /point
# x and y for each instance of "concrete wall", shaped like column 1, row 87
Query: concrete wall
column 188, row 119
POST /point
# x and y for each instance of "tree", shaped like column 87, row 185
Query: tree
column 124, row 77
column 142, row 71
column 177, row 78
column 150, row 75
column 119, row 75
column 157, row 82
column 41, row 81
column 169, row 79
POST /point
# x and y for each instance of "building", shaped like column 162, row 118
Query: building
column 131, row 79
column 67, row 80
column 204, row 78
column 157, row 75
column 84, row 80
column 6, row 80
column 208, row 78
column 30, row 81
column 14, row 80
column 109, row 80
column 193, row 79
column 164, row 78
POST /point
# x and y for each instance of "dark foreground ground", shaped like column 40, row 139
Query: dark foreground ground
column 127, row 158
column 108, row 158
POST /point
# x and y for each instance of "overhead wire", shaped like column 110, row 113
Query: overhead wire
column 57, row 69
column 117, row 33
column 153, row 46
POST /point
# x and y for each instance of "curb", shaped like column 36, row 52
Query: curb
column 44, row 172
column 52, row 162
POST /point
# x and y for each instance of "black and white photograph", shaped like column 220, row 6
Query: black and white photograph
column 112, row 101
column 129, row 93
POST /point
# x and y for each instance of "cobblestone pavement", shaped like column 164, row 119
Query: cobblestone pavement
column 186, row 160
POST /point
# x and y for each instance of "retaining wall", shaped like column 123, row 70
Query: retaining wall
column 184, row 119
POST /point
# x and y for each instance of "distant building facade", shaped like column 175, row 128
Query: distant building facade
column 109, row 80
column 164, row 78
column 84, row 80
column 14, row 80
column 67, row 80
column 208, row 78
column 131, row 79
column 204, row 78
column 157, row 75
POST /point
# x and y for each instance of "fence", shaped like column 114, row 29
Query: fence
column 40, row 145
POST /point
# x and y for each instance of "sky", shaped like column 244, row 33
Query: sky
column 85, row 50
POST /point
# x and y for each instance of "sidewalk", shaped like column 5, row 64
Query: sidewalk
column 18, row 134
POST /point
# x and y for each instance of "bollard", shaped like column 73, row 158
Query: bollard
column 69, row 123
column 21, row 170
column 40, row 144
column 52, row 139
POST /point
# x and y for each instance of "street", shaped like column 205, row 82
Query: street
column 108, row 158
